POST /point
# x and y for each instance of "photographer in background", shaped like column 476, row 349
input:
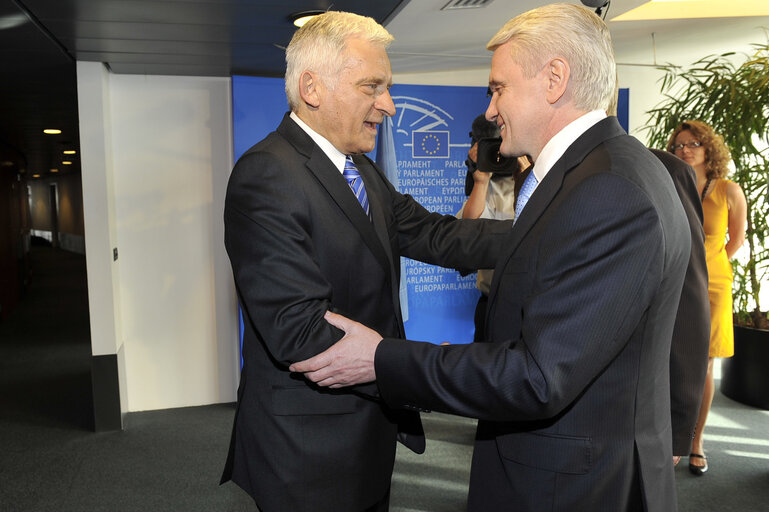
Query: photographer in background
column 492, row 185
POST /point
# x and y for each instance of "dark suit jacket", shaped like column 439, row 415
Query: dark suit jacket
column 572, row 390
column 300, row 244
column 691, row 333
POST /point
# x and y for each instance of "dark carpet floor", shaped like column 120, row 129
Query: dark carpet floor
column 170, row 460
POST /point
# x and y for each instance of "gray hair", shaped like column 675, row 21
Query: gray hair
column 570, row 31
column 318, row 46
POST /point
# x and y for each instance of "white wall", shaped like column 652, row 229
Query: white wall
column 165, row 169
column 172, row 156
column 99, row 218
column 476, row 77
column 636, row 69
column 98, row 207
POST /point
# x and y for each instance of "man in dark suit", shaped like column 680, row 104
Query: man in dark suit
column 572, row 389
column 304, row 237
column 691, row 333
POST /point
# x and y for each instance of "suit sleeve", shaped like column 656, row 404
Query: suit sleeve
column 447, row 241
column 444, row 240
column 279, row 283
column 591, row 277
column 691, row 332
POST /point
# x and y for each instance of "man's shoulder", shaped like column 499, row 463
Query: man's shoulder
column 287, row 137
column 272, row 158
column 629, row 157
column 274, row 145
column 623, row 165
column 677, row 168
column 620, row 155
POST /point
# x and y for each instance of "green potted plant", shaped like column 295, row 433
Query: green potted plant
column 734, row 99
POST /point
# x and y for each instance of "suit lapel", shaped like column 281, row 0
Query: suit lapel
column 377, row 195
column 547, row 190
column 338, row 189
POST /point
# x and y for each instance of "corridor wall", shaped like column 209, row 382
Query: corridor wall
column 167, row 157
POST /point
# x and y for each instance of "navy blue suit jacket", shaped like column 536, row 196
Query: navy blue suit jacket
column 572, row 388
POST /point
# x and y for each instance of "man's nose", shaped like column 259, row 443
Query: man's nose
column 491, row 110
column 385, row 104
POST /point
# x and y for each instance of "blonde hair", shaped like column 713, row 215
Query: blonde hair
column 717, row 155
column 319, row 46
column 570, row 31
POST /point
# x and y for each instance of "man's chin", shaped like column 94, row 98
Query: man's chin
column 509, row 152
column 365, row 148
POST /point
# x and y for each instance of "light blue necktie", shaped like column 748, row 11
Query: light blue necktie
column 353, row 178
column 529, row 184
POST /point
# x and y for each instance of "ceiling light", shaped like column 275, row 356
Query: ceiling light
column 300, row 18
column 35, row 175
column 66, row 162
column 55, row 170
column 12, row 20
column 70, row 152
column 51, row 131
column 687, row 9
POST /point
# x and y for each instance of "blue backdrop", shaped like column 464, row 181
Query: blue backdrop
column 430, row 134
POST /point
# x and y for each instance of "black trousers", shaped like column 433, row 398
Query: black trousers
column 382, row 505
column 480, row 318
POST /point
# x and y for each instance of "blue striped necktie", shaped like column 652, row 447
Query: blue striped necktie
column 529, row 184
column 353, row 178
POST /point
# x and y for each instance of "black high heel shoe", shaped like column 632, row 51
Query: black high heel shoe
column 697, row 470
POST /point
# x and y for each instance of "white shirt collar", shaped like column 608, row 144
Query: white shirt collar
column 557, row 146
column 336, row 156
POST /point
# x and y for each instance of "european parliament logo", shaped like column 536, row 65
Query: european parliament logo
column 433, row 144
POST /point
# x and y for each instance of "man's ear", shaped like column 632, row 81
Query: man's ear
column 309, row 89
column 558, row 73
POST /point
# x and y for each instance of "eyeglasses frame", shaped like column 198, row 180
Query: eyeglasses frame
column 690, row 145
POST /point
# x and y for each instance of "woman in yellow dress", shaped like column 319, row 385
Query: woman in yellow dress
column 724, row 209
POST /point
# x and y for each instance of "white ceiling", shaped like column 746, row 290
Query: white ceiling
column 429, row 39
column 224, row 37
